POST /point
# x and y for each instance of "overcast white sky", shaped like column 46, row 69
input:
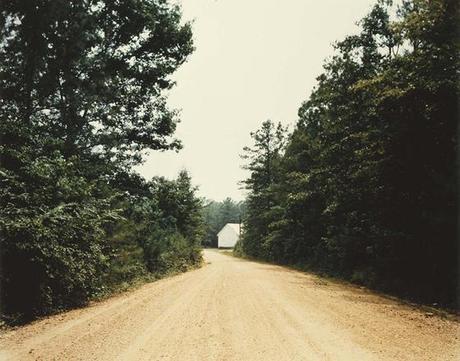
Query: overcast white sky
column 254, row 60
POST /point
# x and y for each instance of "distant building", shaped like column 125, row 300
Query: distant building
column 228, row 235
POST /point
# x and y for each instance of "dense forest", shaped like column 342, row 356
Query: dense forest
column 218, row 214
column 82, row 97
column 365, row 187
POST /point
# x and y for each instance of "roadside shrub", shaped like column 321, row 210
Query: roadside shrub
column 170, row 252
column 51, row 259
column 52, row 237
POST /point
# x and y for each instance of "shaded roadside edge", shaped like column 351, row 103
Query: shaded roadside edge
column 324, row 278
column 123, row 289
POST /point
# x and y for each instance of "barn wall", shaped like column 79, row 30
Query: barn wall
column 227, row 237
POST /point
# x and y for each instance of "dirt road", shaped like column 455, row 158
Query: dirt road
column 238, row 310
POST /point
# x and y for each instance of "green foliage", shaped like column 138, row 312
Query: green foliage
column 165, row 252
column 263, row 161
column 175, row 240
column 160, row 231
column 82, row 95
column 366, row 186
column 89, row 75
column 52, row 236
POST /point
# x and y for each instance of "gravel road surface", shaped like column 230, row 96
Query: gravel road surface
column 232, row 309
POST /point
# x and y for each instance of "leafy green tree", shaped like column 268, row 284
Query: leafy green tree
column 52, row 236
column 367, row 187
column 82, row 87
column 160, row 232
column 175, row 238
column 88, row 75
column 263, row 160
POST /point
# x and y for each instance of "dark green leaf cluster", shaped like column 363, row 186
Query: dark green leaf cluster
column 366, row 187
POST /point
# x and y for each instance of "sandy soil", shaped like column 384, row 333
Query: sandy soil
column 233, row 309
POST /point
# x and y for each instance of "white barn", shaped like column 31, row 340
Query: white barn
column 228, row 235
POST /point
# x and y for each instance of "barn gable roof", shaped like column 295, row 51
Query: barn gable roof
column 234, row 226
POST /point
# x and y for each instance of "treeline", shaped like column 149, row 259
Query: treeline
column 81, row 97
column 217, row 214
column 365, row 187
